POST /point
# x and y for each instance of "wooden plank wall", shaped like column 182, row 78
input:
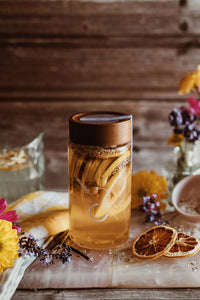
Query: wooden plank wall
column 61, row 57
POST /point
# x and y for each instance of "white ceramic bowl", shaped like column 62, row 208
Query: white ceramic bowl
column 187, row 188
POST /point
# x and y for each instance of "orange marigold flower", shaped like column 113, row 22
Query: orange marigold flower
column 175, row 139
column 190, row 82
column 146, row 183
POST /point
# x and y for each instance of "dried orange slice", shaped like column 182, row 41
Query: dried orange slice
column 185, row 245
column 154, row 242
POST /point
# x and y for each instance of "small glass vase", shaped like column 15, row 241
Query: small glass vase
column 185, row 162
column 22, row 168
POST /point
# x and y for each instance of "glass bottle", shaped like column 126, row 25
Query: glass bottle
column 100, row 160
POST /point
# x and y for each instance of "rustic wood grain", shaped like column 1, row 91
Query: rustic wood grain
column 61, row 18
column 63, row 50
column 92, row 42
column 84, row 72
column 154, row 294
column 91, row 7
column 189, row 17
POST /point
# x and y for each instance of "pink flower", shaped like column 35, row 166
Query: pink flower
column 10, row 216
column 194, row 104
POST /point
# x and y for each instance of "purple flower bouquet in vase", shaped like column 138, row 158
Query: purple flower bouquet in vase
column 185, row 122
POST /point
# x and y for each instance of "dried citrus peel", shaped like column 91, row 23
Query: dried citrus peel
column 185, row 245
column 154, row 242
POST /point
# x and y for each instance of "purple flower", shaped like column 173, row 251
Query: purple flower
column 152, row 208
column 149, row 218
column 149, row 204
column 66, row 260
column 46, row 260
column 161, row 222
column 191, row 133
column 187, row 115
column 184, row 122
column 175, row 117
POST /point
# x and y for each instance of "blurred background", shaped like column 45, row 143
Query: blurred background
column 62, row 57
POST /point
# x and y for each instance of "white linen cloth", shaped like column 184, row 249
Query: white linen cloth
column 45, row 205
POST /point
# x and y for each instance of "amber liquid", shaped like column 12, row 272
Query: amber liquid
column 99, row 196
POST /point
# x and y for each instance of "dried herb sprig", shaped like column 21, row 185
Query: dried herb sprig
column 61, row 239
column 57, row 249
column 151, row 207
column 29, row 246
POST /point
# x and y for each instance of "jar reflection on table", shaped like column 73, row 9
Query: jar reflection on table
column 100, row 190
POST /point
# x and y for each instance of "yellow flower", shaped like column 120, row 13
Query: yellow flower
column 8, row 245
column 175, row 139
column 146, row 183
column 190, row 82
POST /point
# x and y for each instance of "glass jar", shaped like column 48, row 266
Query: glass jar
column 22, row 167
column 99, row 160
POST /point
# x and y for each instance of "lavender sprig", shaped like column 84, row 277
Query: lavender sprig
column 29, row 246
column 152, row 209
column 63, row 252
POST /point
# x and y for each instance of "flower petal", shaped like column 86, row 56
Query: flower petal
column 17, row 228
column 9, row 216
column 3, row 204
column 194, row 104
column 146, row 183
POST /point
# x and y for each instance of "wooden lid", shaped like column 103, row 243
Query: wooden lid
column 100, row 128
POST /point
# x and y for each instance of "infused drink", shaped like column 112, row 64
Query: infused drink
column 100, row 180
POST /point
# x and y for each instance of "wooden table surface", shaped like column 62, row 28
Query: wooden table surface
column 151, row 294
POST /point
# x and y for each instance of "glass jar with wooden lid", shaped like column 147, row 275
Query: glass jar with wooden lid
column 100, row 160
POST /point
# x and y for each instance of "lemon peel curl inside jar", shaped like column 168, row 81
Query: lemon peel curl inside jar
column 99, row 162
